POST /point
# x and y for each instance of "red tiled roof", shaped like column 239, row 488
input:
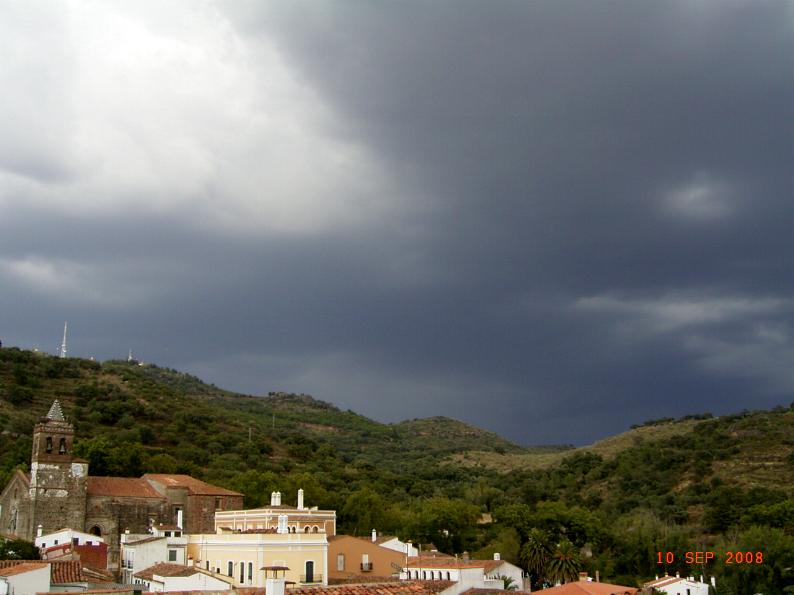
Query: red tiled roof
column 22, row 568
column 193, row 485
column 144, row 540
column 664, row 581
column 445, row 561
column 589, row 588
column 61, row 571
column 390, row 588
column 166, row 569
column 121, row 487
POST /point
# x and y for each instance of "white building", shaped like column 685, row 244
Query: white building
column 177, row 577
column 675, row 585
column 27, row 578
column 67, row 536
column 139, row 552
column 394, row 543
column 466, row 574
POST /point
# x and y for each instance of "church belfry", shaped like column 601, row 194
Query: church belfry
column 58, row 481
column 53, row 437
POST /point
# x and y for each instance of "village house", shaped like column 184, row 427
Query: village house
column 68, row 544
column 465, row 573
column 27, row 578
column 364, row 559
column 178, row 577
column 165, row 544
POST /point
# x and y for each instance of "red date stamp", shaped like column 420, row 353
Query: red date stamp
column 707, row 556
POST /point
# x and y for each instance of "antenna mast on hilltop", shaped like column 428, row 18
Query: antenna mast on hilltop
column 63, row 343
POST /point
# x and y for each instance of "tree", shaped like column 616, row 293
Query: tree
column 18, row 549
column 565, row 562
column 509, row 583
column 536, row 553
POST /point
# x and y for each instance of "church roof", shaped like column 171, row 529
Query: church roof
column 121, row 487
column 193, row 485
column 56, row 413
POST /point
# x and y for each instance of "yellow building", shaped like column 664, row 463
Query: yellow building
column 243, row 555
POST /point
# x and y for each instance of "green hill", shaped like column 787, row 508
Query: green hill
column 670, row 485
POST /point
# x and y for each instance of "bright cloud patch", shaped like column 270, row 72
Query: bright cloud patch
column 169, row 111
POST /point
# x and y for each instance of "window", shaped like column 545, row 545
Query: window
column 218, row 503
column 207, row 565
column 242, row 572
column 231, row 569
column 250, row 572
column 448, row 576
column 172, row 555
column 340, row 562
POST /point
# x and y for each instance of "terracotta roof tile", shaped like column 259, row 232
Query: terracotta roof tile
column 22, row 568
column 61, row 571
column 389, row 588
column 445, row 561
column 166, row 569
column 193, row 485
column 121, row 487
column 589, row 588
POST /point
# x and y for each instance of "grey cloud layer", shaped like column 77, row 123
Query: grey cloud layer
column 505, row 213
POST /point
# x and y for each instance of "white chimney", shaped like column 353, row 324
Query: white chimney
column 39, row 531
column 374, row 536
column 272, row 498
column 713, row 582
column 275, row 586
column 282, row 524
column 278, row 498
column 300, row 499
column 497, row 556
column 179, row 518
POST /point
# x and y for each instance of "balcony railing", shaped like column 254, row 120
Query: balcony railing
column 366, row 566
column 315, row 578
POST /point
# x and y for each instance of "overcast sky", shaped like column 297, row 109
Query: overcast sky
column 550, row 219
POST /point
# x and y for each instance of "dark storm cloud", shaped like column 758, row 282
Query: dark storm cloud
column 549, row 219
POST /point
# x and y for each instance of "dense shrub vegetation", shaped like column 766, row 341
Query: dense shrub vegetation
column 726, row 485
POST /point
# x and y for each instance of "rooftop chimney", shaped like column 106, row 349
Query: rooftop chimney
column 497, row 556
column 272, row 498
column 278, row 498
column 39, row 531
column 374, row 536
column 300, row 499
column 282, row 524
column 465, row 556
column 583, row 576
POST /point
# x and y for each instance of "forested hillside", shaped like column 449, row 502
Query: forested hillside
column 712, row 484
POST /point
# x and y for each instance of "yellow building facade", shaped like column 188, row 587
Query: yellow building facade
column 242, row 556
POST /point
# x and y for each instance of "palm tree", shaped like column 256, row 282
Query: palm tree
column 565, row 562
column 536, row 553
column 509, row 583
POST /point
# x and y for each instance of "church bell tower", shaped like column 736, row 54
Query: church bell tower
column 58, row 481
